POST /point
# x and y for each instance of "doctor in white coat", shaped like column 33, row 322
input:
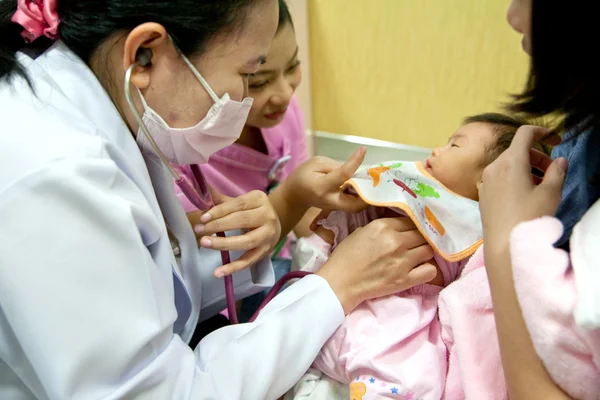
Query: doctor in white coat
column 93, row 303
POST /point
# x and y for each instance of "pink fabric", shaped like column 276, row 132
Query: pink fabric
column 545, row 285
column 343, row 224
column 394, row 342
column 389, row 347
column 469, row 333
column 237, row 169
column 37, row 17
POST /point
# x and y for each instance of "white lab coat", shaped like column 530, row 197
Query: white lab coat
column 91, row 305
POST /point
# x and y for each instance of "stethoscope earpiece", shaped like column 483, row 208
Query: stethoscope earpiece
column 144, row 57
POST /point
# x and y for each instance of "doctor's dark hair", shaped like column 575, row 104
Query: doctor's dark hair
column 86, row 24
column 564, row 73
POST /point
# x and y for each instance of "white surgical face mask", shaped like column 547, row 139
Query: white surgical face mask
column 221, row 127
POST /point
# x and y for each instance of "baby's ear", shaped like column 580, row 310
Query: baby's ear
column 479, row 185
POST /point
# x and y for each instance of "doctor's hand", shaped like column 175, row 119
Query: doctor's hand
column 252, row 213
column 387, row 256
column 510, row 194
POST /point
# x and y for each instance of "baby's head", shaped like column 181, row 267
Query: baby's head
column 459, row 164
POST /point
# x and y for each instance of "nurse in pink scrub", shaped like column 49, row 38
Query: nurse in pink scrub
column 272, row 143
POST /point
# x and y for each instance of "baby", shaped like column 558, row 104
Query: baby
column 392, row 347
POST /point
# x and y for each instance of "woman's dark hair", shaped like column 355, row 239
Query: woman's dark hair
column 285, row 17
column 565, row 67
column 86, row 24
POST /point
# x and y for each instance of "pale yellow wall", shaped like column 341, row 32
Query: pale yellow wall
column 299, row 11
column 409, row 70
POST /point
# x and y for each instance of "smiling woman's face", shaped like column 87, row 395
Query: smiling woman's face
column 273, row 86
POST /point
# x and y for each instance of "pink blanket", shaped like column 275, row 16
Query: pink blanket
column 545, row 285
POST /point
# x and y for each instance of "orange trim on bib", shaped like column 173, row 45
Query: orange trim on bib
column 409, row 212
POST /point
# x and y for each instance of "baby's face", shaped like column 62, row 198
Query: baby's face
column 460, row 163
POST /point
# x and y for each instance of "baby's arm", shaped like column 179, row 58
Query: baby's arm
column 338, row 225
column 312, row 251
column 439, row 278
column 325, row 234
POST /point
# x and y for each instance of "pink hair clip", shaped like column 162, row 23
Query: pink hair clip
column 37, row 17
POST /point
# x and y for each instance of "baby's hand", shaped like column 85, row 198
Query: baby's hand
column 439, row 277
column 325, row 234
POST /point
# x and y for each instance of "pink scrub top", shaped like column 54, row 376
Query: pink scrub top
column 238, row 169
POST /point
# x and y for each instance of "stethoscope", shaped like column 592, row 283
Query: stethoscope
column 198, row 194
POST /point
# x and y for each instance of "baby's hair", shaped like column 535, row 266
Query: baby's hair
column 505, row 127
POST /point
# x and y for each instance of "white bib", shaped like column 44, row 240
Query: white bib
column 450, row 223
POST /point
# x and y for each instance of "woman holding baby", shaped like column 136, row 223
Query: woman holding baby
column 541, row 293
column 546, row 299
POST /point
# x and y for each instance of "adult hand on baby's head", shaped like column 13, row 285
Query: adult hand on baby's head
column 509, row 194
column 317, row 183
column 382, row 258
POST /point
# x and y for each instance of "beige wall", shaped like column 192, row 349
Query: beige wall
column 299, row 10
column 409, row 70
